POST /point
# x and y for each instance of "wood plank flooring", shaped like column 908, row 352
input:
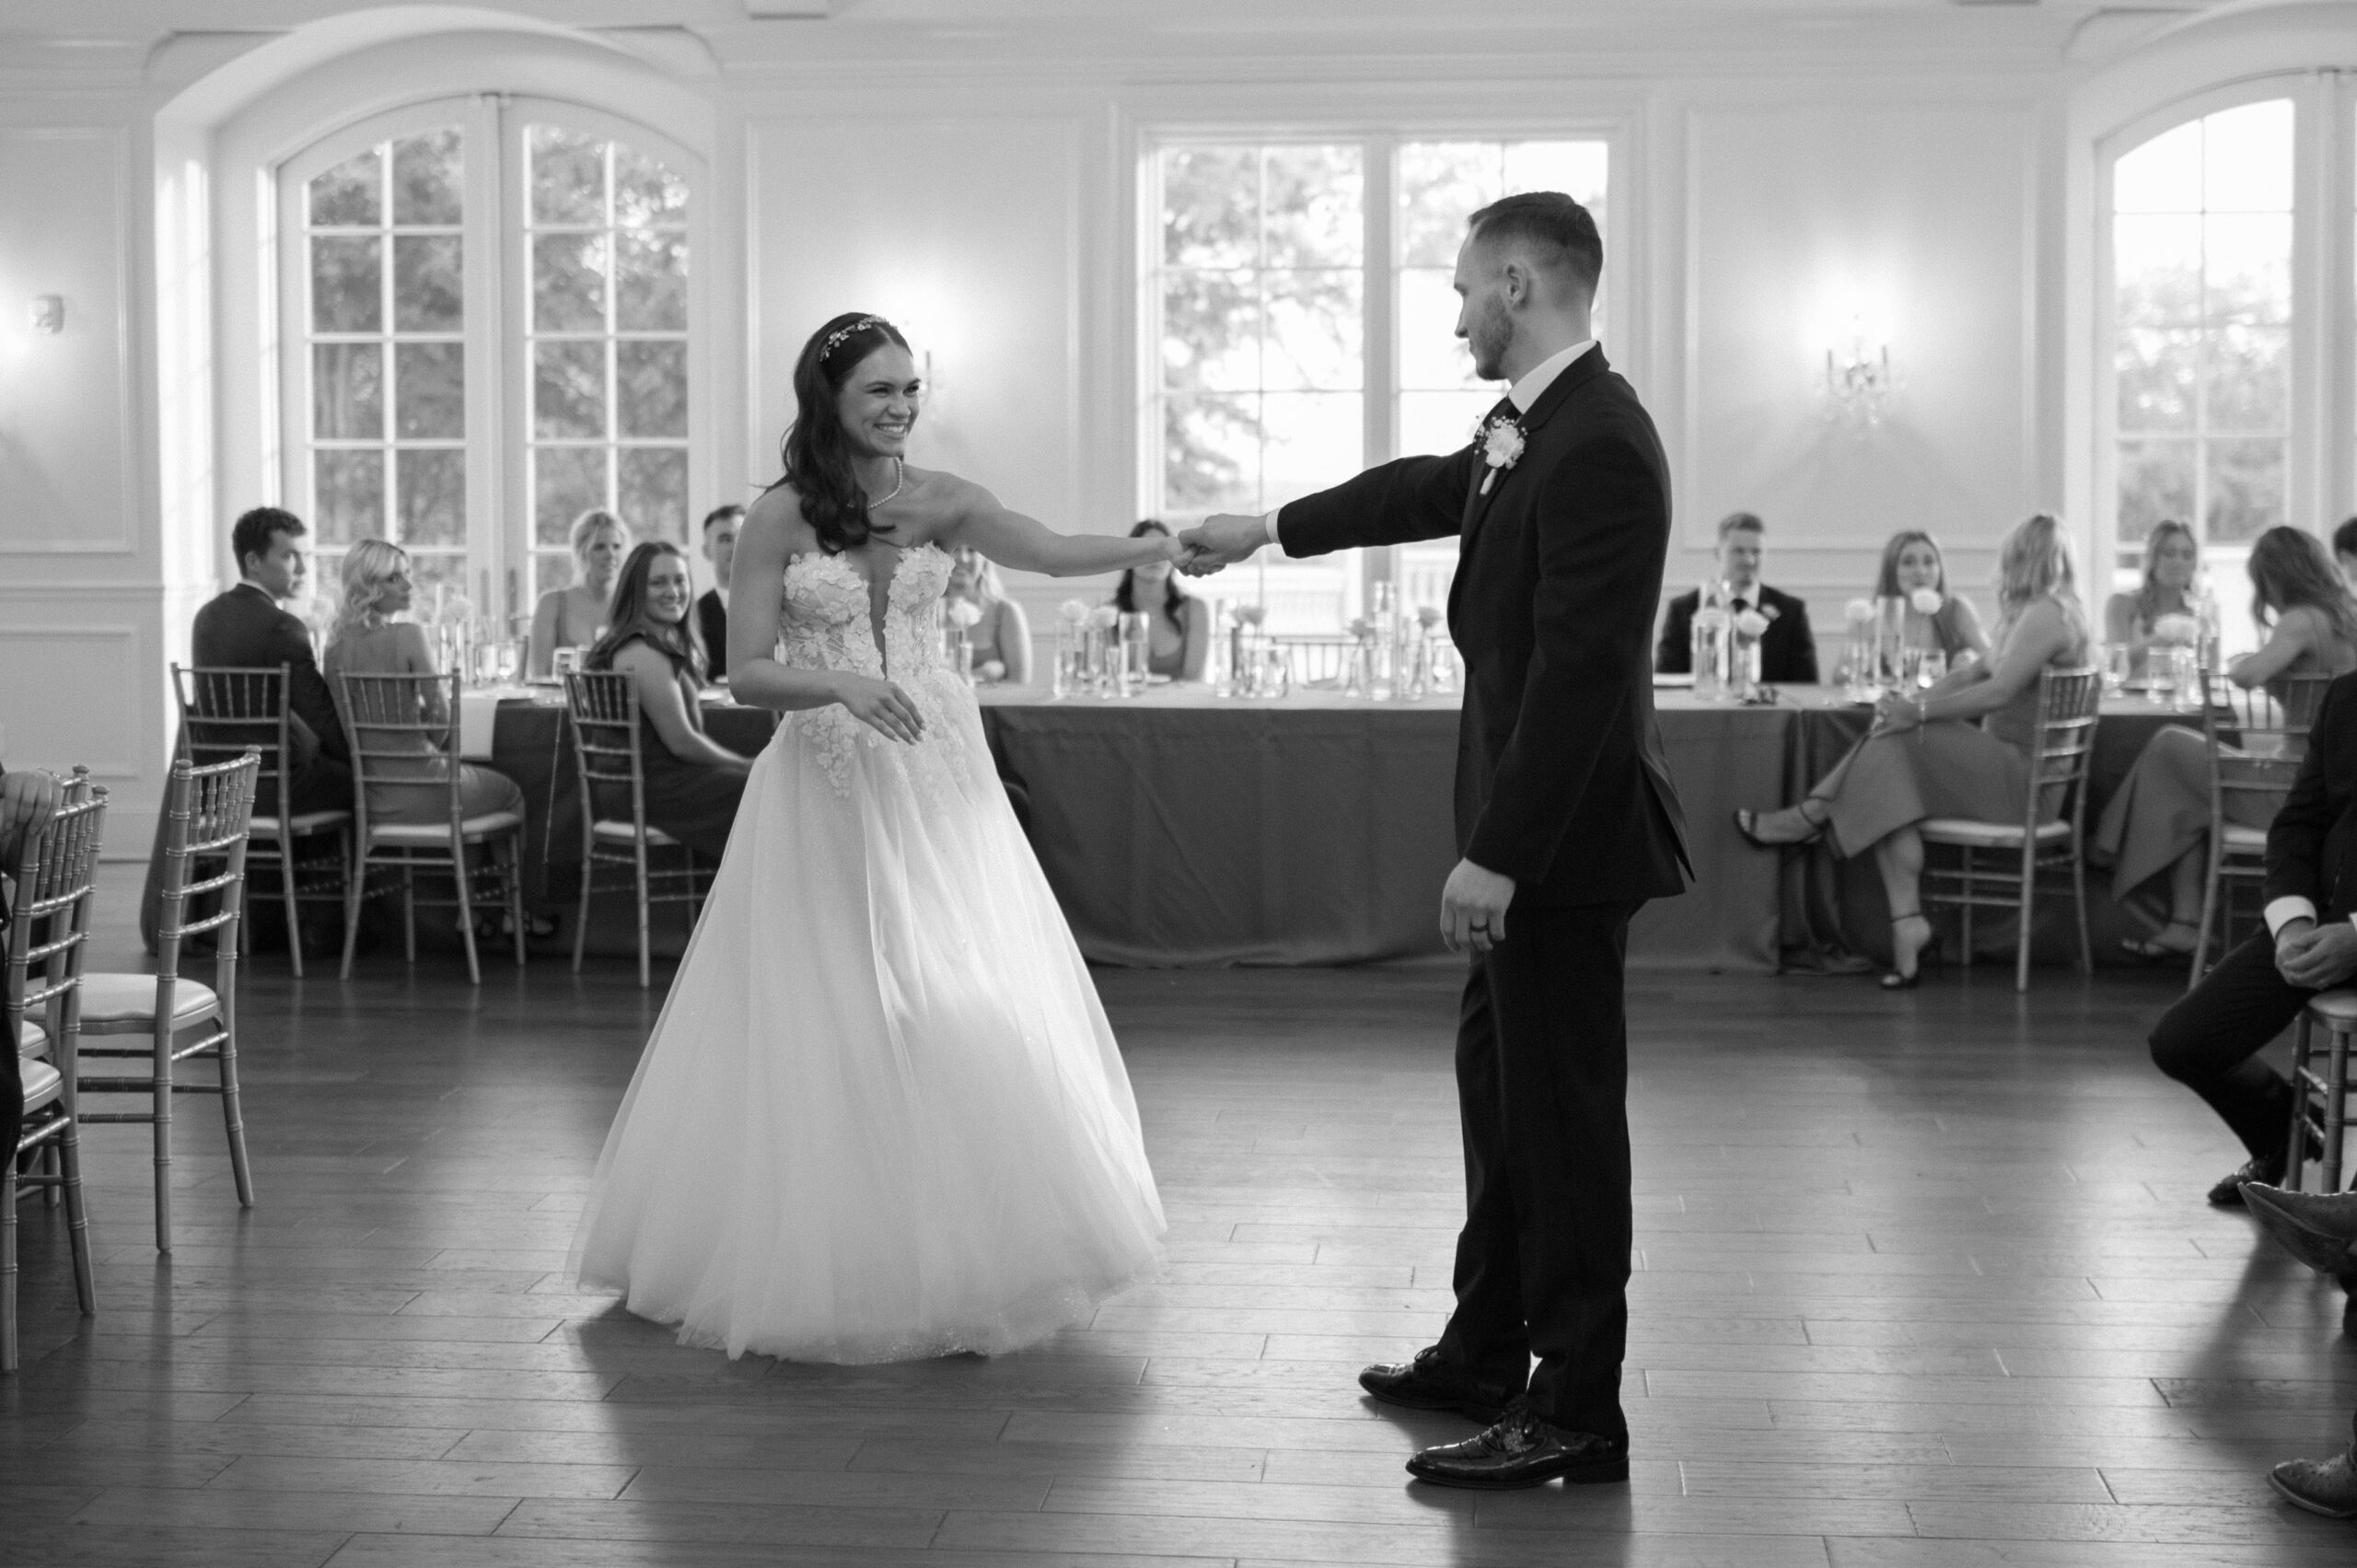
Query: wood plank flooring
column 1920, row 1281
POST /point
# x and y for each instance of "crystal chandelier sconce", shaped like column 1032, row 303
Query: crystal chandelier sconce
column 1858, row 381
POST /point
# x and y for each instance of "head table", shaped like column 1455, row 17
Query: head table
column 1179, row 827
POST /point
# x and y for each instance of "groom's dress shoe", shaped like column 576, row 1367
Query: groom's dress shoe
column 1428, row 1383
column 1522, row 1450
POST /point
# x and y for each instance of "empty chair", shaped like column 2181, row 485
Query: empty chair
column 223, row 712
column 1997, row 864
column 207, row 813
column 615, row 833
column 48, row 924
column 2254, row 739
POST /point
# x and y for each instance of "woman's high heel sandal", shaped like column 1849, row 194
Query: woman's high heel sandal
column 1746, row 822
column 1902, row 979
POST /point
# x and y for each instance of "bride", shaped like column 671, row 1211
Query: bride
column 882, row 1116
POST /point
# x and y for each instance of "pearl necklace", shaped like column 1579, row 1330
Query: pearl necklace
column 900, row 477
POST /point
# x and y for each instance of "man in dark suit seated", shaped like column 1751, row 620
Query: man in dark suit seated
column 720, row 526
column 2211, row 1039
column 1787, row 649
column 247, row 627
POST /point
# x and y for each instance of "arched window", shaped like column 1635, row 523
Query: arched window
column 2201, row 320
column 484, row 325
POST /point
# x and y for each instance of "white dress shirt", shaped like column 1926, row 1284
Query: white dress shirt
column 1523, row 394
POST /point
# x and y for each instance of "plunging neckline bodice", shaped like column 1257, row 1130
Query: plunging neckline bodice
column 893, row 618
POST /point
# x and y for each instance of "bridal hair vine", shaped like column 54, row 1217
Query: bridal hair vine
column 836, row 338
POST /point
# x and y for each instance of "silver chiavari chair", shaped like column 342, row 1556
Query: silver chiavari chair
column 615, row 833
column 2255, row 740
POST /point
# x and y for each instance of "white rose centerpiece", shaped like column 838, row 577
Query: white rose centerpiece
column 1927, row 601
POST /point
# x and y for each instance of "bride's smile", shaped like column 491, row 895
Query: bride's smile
column 879, row 406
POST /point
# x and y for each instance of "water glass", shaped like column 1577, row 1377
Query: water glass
column 1930, row 667
column 2116, row 661
column 1134, row 653
column 564, row 662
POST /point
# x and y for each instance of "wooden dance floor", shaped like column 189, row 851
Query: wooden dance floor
column 1921, row 1279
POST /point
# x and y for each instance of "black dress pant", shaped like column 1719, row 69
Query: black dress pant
column 1543, row 1087
column 2211, row 1039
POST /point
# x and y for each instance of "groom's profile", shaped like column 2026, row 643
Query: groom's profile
column 1566, row 824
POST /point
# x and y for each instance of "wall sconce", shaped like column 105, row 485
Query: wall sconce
column 1858, row 382
column 49, row 314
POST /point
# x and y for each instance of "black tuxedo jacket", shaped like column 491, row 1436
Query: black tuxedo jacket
column 1561, row 782
column 1787, row 649
column 712, row 626
column 2312, row 843
column 245, row 627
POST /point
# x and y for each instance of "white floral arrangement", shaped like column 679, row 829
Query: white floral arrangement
column 1502, row 447
column 1105, row 616
column 1427, row 616
column 1074, row 611
column 1751, row 624
column 1859, row 612
column 2176, row 630
column 965, row 614
column 1927, row 601
column 1361, row 628
column 1251, row 614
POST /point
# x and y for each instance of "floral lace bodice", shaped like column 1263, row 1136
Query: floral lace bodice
column 826, row 621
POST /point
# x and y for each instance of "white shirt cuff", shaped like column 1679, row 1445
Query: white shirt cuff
column 1268, row 525
column 2284, row 910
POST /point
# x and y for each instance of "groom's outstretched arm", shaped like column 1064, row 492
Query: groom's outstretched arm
column 1411, row 498
column 1603, row 531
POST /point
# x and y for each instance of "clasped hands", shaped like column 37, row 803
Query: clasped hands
column 2315, row 956
column 1221, row 540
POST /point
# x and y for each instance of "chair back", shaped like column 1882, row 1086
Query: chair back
column 1322, row 659
column 403, row 731
column 2256, row 739
column 228, row 709
column 49, row 919
column 208, row 811
column 2064, row 743
column 606, row 760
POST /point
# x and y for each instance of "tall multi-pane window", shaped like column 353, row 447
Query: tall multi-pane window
column 2201, row 258
column 1305, row 328
column 384, row 324
column 485, row 331
column 609, row 336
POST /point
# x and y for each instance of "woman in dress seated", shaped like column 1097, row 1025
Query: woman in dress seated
column 578, row 616
column 367, row 640
column 2171, row 561
column 1001, row 636
column 1962, row 750
column 1179, row 625
column 1912, row 565
column 2156, row 832
column 693, row 782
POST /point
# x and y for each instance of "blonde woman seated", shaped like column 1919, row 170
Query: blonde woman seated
column 367, row 640
column 1961, row 750
column 2172, row 562
column 1912, row 564
column 693, row 782
column 1179, row 625
column 576, row 617
column 2157, row 826
column 1002, row 637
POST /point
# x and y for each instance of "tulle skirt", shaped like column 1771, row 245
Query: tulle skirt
column 882, row 1115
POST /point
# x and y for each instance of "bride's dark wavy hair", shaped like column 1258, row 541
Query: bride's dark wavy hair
column 817, row 452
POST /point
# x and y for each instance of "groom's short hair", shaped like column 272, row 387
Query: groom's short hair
column 1560, row 233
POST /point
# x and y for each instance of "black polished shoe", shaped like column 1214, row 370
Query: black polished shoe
column 1429, row 1383
column 2228, row 1192
column 1522, row 1450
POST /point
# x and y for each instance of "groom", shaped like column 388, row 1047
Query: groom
column 1566, row 822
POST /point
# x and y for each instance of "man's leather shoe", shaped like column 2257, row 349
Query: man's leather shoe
column 2266, row 1172
column 1522, row 1450
column 1428, row 1383
column 2321, row 1486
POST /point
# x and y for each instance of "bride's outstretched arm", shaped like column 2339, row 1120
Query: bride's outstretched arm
column 757, row 677
column 1025, row 544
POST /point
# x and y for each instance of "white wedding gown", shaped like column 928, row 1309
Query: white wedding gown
column 882, row 1115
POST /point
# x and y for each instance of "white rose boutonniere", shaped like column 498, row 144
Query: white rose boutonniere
column 1502, row 445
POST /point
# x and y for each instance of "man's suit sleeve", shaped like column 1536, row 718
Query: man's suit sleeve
column 1603, row 523
column 308, row 691
column 2296, row 840
column 1674, row 654
column 1803, row 644
column 1395, row 503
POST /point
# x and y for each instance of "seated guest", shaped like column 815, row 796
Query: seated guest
column 692, row 781
column 1962, row 750
column 2344, row 551
column 578, row 616
column 1179, row 625
column 2159, row 824
column 1787, row 649
column 2211, row 1039
column 2171, row 561
column 248, row 628
column 367, row 640
column 1001, row 638
column 720, row 526
column 1912, row 564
